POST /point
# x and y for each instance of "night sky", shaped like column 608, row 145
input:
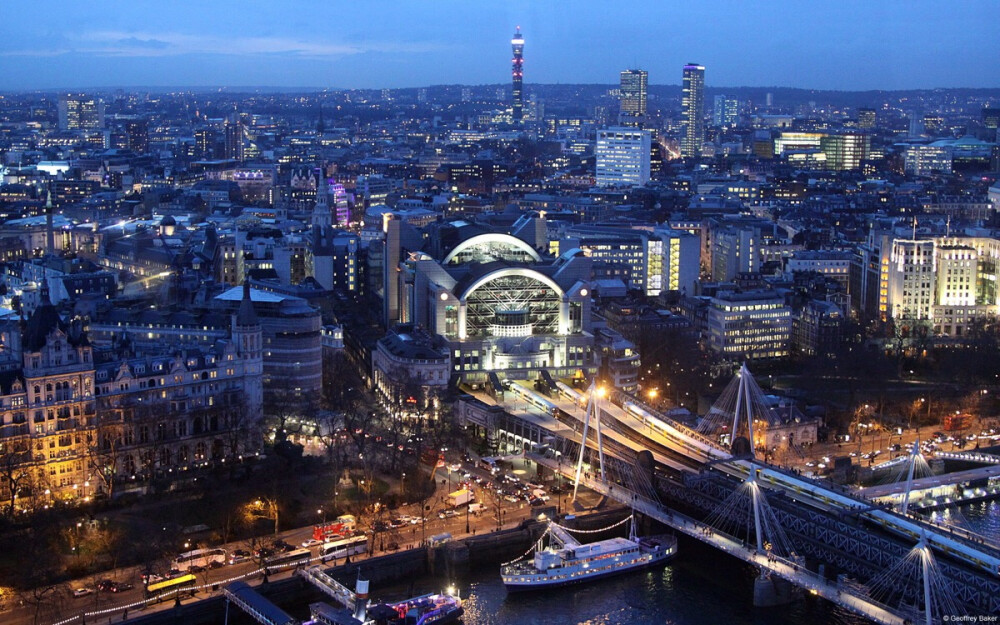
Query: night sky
column 847, row 44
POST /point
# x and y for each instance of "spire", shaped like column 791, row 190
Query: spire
column 49, row 227
column 321, row 211
column 246, row 316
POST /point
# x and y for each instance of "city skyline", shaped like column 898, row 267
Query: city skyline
column 850, row 46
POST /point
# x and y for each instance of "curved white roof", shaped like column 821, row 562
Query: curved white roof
column 509, row 271
column 491, row 237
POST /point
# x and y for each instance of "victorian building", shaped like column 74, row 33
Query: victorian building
column 78, row 421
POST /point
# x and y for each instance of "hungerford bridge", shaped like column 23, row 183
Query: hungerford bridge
column 886, row 564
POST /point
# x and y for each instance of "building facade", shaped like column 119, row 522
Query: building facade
column 750, row 325
column 622, row 157
column 693, row 110
column 632, row 103
column 78, row 422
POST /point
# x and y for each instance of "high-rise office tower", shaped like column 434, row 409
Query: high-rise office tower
column 693, row 110
column 933, row 125
column 632, row 110
column 80, row 112
column 234, row 140
column 204, row 143
column 991, row 117
column 866, row 118
column 916, row 124
column 138, row 135
column 725, row 112
column 622, row 157
column 516, row 74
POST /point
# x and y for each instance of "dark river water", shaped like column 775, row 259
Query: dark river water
column 700, row 587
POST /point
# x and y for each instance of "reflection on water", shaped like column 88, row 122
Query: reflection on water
column 702, row 586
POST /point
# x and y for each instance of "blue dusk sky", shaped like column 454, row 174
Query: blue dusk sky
column 843, row 44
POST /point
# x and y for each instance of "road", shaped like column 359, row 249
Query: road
column 114, row 605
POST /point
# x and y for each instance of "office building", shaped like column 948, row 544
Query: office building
column 622, row 157
column 869, row 276
column 911, row 279
column 991, row 117
column 235, row 148
column 924, row 160
column 866, row 118
column 749, row 325
column 632, row 87
column 650, row 261
column 933, row 125
column 693, row 110
column 80, row 112
column 725, row 111
column 845, row 151
column 734, row 249
column 137, row 131
column 517, row 75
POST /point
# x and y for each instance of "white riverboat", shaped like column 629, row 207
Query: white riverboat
column 567, row 561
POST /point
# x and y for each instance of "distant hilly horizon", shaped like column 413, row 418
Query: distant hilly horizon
column 314, row 89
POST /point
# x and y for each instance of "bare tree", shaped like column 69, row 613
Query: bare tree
column 105, row 455
column 15, row 470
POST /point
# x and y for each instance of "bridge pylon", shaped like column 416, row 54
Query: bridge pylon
column 741, row 412
column 594, row 395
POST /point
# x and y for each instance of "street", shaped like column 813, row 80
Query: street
column 116, row 606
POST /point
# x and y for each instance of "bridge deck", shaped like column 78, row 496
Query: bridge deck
column 256, row 606
column 934, row 481
column 318, row 578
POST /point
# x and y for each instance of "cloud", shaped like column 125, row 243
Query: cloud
column 138, row 44
column 135, row 42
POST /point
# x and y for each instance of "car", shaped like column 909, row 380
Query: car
column 237, row 558
column 196, row 569
column 446, row 514
column 120, row 586
column 312, row 542
column 281, row 545
column 455, row 467
column 394, row 523
column 105, row 585
column 380, row 526
column 82, row 592
column 152, row 578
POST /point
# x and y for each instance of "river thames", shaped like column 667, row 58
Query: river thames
column 700, row 587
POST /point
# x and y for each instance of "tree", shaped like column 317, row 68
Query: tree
column 494, row 499
column 15, row 470
column 105, row 451
column 37, row 582
column 284, row 413
column 262, row 508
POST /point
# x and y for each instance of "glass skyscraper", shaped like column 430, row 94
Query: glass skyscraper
column 633, row 98
column 693, row 110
